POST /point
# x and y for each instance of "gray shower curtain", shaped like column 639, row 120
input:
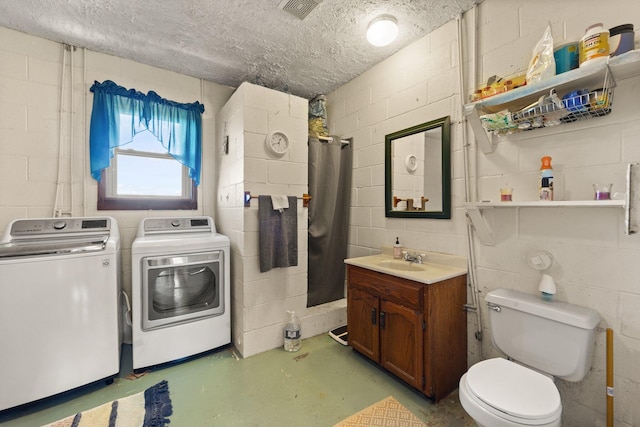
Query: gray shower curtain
column 330, row 166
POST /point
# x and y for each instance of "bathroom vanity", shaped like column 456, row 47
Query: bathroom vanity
column 409, row 319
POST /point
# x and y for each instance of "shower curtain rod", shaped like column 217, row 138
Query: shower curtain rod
column 247, row 199
column 330, row 139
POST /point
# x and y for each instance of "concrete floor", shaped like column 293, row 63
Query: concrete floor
column 320, row 385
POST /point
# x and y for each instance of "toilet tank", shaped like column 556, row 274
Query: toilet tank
column 551, row 336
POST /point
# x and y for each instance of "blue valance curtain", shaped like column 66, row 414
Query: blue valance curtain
column 177, row 126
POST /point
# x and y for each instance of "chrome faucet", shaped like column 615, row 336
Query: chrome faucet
column 413, row 257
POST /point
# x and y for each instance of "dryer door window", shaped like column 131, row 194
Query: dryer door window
column 181, row 288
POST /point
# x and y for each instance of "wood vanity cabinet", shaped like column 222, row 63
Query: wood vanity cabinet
column 417, row 332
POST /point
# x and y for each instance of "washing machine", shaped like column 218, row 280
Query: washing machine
column 180, row 290
column 59, row 306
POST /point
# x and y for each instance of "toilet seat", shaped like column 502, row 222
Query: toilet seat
column 514, row 392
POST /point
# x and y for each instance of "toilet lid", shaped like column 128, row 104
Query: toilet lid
column 514, row 389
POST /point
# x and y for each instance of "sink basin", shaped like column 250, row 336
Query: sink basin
column 401, row 265
column 435, row 268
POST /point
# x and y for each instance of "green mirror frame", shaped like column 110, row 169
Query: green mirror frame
column 445, row 124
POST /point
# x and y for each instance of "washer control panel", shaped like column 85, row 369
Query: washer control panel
column 39, row 227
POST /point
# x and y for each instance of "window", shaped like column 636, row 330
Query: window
column 143, row 175
column 145, row 151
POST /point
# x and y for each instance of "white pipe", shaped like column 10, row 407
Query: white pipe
column 474, row 306
column 203, row 185
column 474, row 195
column 84, row 131
column 71, row 124
column 60, row 151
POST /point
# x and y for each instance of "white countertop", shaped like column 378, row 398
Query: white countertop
column 435, row 267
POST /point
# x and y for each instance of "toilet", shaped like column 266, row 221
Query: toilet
column 543, row 340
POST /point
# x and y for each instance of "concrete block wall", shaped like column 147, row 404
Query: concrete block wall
column 593, row 255
column 260, row 300
column 30, row 85
column 416, row 85
column 595, row 262
column 30, row 88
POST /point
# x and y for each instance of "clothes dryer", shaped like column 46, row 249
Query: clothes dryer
column 180, row 289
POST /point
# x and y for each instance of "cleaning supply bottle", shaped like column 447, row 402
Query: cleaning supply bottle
column 397, row 249
column 546, row 179
column 292, row 333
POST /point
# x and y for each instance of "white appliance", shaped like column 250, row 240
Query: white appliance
column 542, row 339
column 59, row 306
column 180, row 289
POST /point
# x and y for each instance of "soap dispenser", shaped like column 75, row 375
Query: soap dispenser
column 397, row 250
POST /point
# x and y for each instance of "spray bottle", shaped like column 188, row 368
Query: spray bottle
column 546, row 179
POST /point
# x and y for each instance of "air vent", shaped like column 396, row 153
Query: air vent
column 299, row 8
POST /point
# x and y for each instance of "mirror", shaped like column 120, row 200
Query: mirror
column 418, row 171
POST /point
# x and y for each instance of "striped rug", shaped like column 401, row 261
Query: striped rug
column 151, row 407
column 388, row 413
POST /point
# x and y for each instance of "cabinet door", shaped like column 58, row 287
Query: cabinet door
column 401, row 342
column 362, row 318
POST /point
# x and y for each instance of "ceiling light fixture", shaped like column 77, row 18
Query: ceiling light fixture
column 382, row 30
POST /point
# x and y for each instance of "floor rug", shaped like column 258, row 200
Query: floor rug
column 386, row 413
column 151, row 407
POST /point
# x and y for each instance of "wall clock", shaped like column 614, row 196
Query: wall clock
column 411, row 163
column 277, row 143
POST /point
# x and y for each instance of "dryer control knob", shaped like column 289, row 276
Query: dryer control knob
column 59, row 225
column 175, row 223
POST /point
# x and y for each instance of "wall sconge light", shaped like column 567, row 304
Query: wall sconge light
column 382, row 30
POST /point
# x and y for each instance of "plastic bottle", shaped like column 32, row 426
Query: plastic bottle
column 546, row 179
column 594, row 45
column 397, row 249
column 292, row 333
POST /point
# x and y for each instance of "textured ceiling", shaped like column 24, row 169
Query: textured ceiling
column 232, row 41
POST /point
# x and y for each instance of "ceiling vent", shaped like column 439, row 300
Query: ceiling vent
column 299, row 8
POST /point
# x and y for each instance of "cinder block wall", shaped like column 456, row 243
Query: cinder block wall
column 30, row 90
column 260, row 300
column 416, row 85
column 595, row 262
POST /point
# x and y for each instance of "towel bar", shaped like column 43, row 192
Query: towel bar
column 247, row 199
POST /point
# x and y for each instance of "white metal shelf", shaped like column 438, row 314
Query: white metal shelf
column 594, row 76
column 549, row 204
column 475, row 211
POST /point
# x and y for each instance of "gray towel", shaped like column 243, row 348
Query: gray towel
column 278, row 234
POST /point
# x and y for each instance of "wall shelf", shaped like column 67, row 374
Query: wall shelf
column 475, row 211
column 549, row 204
column 600, row 75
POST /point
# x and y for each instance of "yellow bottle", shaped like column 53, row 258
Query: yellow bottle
column 594, row 45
